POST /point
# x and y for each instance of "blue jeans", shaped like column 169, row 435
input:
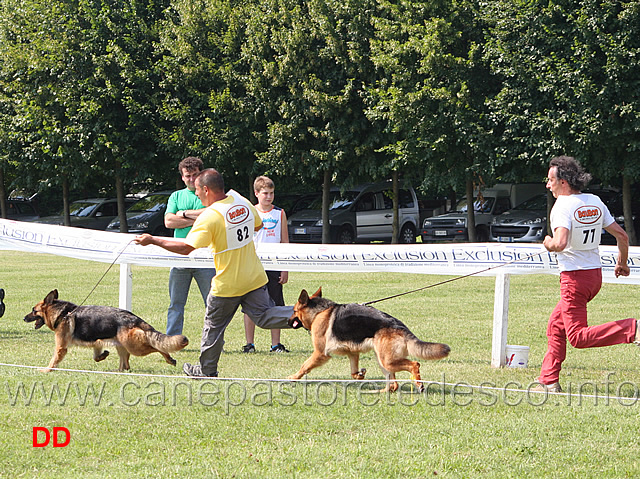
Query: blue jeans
column 179, row 284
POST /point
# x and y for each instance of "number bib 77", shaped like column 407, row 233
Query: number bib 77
column 586, row 227
column 238, row 221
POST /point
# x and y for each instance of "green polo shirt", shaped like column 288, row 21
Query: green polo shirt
column 179, row 201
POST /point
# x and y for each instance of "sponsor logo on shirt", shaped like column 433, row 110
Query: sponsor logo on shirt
column 237, row 214
column 269, row 223
column 588, row 214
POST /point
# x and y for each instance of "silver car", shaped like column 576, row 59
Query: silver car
column 361, row 214
column 526, row 223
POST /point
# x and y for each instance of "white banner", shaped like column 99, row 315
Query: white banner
column 445, row 259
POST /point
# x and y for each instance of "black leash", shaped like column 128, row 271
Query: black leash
column 454, row 279
column 105, row 273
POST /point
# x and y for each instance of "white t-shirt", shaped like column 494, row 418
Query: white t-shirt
column 584, row 215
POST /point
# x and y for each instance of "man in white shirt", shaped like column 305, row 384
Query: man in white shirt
column 577, row 220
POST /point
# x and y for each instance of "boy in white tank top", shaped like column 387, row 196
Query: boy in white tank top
column 274, row 230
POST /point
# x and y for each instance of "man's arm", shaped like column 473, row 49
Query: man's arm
column 622, row 240
column 170, row 244
column 559, row 241
column 181, row 219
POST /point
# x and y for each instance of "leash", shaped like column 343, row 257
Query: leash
column 453, row 279
column 105, row 273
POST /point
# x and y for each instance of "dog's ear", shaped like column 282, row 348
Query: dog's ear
column 318, row 294
column 51, row 297
column 303, row 299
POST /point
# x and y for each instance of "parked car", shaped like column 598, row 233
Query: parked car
column 613, row 199
column 493, row 201
column 146, row 216
column 360, row 214
column 92, row 213
column 292, row 203
column 526, row 223
column 21, row 209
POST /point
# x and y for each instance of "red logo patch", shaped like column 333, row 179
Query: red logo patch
column 237, row 214
column 588, row 215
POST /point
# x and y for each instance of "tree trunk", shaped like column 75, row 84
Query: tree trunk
column 550, row 202
column 471, row 214
column 626, row 209
column 3, row 195
column 326, row 190
column 122, row 207
column 65, row 201
column 395, row 229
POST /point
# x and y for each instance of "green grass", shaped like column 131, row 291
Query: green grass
column 133, row 425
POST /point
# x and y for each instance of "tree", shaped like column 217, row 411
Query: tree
column 432, row 93
column 79, row 74
column 308, row 64
column 570, row 84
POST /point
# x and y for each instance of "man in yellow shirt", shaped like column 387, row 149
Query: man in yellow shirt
column 226, row 227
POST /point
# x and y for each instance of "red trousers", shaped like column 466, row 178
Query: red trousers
column 569, row 321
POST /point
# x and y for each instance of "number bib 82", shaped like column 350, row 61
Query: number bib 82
column 239, row 222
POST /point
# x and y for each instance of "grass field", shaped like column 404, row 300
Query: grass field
column 154, row 422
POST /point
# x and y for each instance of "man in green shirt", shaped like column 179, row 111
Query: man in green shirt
column 183, row 208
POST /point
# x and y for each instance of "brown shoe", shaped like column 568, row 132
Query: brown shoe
column 548, row 388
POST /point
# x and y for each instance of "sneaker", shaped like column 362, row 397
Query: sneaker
column 195, row 371
column 249, row 348
column 279, row 348
column 636, row 339
column 547, row 388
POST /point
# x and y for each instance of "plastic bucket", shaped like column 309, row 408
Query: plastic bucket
column 517, row 356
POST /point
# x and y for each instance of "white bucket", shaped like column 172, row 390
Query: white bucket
column 516, row 356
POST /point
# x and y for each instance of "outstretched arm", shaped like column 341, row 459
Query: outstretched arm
column 170, row 244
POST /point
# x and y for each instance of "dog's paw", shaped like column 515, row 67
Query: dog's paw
column 102, row 356
column 45, row 370
column 294, row 377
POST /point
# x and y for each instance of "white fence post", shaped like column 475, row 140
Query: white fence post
column 126, row 286
column 500, row 320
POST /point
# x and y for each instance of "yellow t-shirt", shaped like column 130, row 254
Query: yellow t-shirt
column 226, row 228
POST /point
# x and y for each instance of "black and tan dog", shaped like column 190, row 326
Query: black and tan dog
column 98, row 326
column 351, row 329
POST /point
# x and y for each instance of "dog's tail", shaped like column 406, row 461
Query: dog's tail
column 424, row 350
column 166, row 344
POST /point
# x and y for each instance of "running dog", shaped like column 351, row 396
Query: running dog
column 351, row 329
column 97, row 326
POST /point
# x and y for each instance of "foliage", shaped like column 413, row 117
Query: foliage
column 568, row 86
column 446, row 93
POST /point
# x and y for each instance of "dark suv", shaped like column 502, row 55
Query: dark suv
column 21, row 209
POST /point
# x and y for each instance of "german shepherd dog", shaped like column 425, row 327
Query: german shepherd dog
column 97, row 326
column 351, row 329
